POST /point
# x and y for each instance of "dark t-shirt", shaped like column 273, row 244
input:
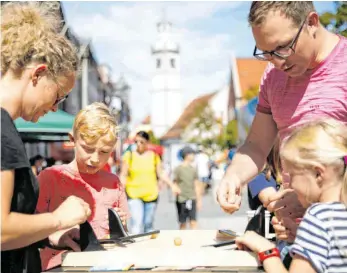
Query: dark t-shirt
column 25, row 193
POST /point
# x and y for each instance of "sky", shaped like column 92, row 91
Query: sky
column 122, row 33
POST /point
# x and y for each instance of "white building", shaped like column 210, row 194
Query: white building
column 166, row 102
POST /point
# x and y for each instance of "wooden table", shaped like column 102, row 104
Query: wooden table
column 162, row 255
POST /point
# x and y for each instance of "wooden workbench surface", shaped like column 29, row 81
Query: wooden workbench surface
column 162, row 255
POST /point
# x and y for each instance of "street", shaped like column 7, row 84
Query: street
column 210, row 217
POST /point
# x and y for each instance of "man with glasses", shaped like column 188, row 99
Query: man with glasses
column 306, row 79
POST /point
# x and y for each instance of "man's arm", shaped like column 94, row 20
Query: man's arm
column 249, row 160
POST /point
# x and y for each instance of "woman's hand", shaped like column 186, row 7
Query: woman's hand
column 254, row 242
column 64, row 238
column 73, row 211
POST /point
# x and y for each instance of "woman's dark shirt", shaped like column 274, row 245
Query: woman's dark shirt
column 25, row 193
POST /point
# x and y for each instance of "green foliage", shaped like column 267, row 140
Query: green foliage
column 153, row 139
column 337, row 22
column 251, row 92
column 211, row 133
column 231, row 132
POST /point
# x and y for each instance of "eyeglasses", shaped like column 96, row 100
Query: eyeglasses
column 281, row 53
column 61, row 99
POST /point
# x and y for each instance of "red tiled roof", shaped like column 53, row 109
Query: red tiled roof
column 250, row 71
column 188, row 114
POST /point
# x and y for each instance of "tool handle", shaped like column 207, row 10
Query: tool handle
column 220, row 244
column 129, row 237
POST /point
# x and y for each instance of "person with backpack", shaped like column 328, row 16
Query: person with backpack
column 141, row 169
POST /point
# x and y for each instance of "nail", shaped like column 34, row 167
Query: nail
column 298, row 220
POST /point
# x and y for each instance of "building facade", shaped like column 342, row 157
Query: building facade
column 166, row 101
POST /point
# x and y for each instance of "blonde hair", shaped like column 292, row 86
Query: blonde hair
column 95, row 121
column 320, row 142
column 29, row 35
column 273, row 166
column 295, row 10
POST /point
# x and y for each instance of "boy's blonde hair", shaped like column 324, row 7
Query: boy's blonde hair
column 95, row 121
column 320, row 142
column 29, row 35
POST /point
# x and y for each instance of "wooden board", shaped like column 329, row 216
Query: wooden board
column 162, row 252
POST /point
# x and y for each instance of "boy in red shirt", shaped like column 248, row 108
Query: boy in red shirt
column 94, row 135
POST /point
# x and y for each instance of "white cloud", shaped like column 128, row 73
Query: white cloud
column 123, row 36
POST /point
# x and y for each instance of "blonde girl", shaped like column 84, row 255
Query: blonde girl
column 94, row 137
column 38, row 68
column 315, row 156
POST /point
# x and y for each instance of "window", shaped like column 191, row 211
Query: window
column 158, row 63
column 172, row 63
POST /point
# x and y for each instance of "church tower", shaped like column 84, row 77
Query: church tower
column 166, row 104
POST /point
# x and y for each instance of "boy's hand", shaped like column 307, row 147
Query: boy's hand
column 175, row 189
column 254, row 242
column 122, row 215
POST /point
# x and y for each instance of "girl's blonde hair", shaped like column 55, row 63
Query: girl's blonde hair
column 321, row 142
column 29, row 35
column 95, row 121
column 273, row 166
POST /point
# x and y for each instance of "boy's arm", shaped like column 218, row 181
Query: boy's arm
column 198, row 192
column 123, row 205
column 162, row 175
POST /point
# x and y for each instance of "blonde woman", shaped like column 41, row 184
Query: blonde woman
column 315, row 156
column 94, row 136
column 38, row 72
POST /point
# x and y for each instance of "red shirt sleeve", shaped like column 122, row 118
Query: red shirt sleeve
column 264, row 103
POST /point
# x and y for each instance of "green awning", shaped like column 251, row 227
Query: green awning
column 53, row 127
column 58, row 122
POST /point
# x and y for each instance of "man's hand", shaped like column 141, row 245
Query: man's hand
column 64, row 238
column 229, row 194
column 287, row 209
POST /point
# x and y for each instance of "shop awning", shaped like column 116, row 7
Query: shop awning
column 54, row 126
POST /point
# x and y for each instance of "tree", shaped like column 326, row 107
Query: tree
column 337, row 22
column 252, row 92
column 205, row 129
column 153, row 139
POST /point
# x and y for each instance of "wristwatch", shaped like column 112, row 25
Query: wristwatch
column 274, row 252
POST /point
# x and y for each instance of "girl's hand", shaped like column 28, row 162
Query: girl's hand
column 254, row 242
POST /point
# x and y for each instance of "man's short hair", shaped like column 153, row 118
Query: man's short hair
column 295, row 10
